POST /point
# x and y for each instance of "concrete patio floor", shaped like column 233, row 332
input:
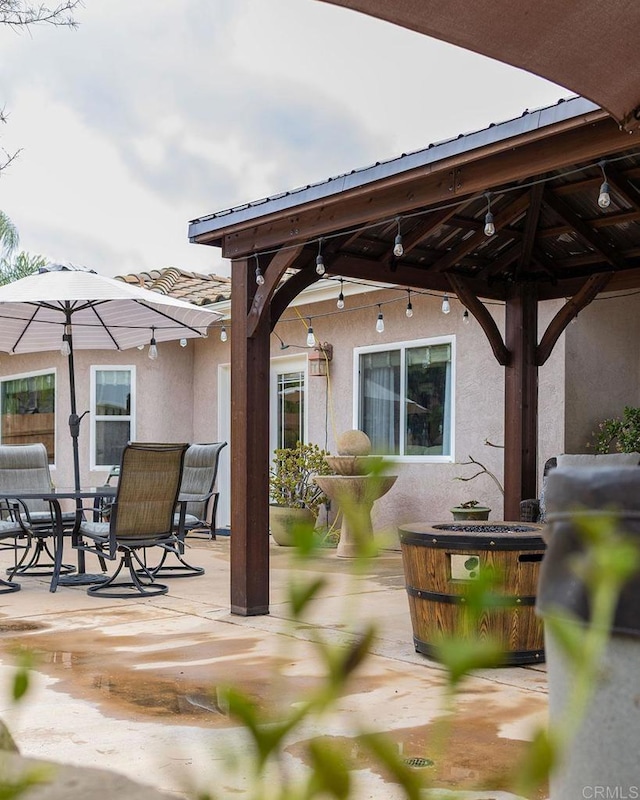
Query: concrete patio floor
column 130, row 685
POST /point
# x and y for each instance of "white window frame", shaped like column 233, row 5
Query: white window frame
column 131, row 418
column 403, row 347
column 34, row 374
column 279, row 365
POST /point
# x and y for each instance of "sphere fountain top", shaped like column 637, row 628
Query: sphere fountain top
column 353, row 443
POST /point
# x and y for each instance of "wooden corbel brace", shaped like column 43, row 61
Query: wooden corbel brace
column 569, row 311
column 278, row 265
column 479, row 311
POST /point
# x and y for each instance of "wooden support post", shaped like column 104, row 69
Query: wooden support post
column 250, row 448
column 521, row 399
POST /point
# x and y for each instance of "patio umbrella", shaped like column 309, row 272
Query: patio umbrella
column 66, row 308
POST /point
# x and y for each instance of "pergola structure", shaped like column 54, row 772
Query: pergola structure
column 540, row 177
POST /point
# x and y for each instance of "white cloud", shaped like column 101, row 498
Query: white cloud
column 156, row 112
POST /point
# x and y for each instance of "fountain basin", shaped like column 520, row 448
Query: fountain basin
column 353, row 465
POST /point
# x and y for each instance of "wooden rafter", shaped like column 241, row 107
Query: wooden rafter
column 530, row 228
column 584, row 231
column 505, row 217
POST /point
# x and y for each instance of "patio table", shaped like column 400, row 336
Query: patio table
column 54, row 496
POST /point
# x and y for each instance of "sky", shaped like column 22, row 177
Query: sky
column 155, row 112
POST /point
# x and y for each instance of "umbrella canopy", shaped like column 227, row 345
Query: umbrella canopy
column 105, row 314
column 63, row 308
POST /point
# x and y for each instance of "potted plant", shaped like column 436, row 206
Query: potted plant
column 295, row 497
column 471, row 509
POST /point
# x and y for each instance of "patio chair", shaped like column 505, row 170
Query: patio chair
column 26, row 467
column 198, row 481
column 14, row 535
column 141, row 517
column 533, row 510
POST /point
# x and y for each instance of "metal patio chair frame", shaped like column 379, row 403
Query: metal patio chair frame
column 26, row 467
column 199, row 477
column 141, row 517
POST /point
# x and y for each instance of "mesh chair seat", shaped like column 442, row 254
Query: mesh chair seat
column 141, row 517
column 198, row 480
column 25, row 467
column 20, row 537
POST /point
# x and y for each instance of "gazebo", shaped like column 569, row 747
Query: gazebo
column 545, row 206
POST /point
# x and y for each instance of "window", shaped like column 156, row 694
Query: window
column 112, row 414
column 288, row 401
column 28, row 410
column 290, row 408
column 405, row 398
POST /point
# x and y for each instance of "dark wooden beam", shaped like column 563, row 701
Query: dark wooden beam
column 289, row 290
column 590, row 289
column 407, row 275
column 505, row 217
column 278, row 265
column 622, row 186
column 249, row 543
column 530, row 229
column 479, row 311
column 520, row 399
column 500, row 164
column 584, row 231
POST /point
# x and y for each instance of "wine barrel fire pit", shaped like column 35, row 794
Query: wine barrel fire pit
column 441, row 560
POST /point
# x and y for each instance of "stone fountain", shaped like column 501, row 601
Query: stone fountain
column 354, row 489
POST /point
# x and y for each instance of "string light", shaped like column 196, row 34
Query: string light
column 320, row 268
column 183, row 342
column 445, row 206
column 446, row 305
column 409, row 311
column 380, row 321
column 465, row 317
column 223, row 334
column 398, row 249
column 65, row 348
column 259, row 275
column 153, row 348
column 311, row 339
column 340, row 302
column 604, row 198
column 489, row 227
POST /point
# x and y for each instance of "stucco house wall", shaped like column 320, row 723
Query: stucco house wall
column 602, row 366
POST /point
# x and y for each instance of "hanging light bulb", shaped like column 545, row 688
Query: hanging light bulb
column 604, row 198
column 409, row 311
column 259, row 275
column 340, row 302
column 320, row 269
column 446, row 305
column 465, row 317
column 153, row 348
column 489, row 227
column 398, row 249
column 223, row 334
column 380, row 321
column 311, row 339
column 65, row 348
column 183, row 342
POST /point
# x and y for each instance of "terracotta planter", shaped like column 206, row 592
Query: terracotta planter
column 283, row 520
column 477, row 512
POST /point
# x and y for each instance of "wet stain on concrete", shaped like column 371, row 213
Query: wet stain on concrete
column 19, row 626
column 463, row 751
column 138, row 676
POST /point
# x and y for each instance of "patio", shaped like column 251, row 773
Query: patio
column 130, row 685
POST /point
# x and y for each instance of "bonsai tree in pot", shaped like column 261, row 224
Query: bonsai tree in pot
column 295, row 497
